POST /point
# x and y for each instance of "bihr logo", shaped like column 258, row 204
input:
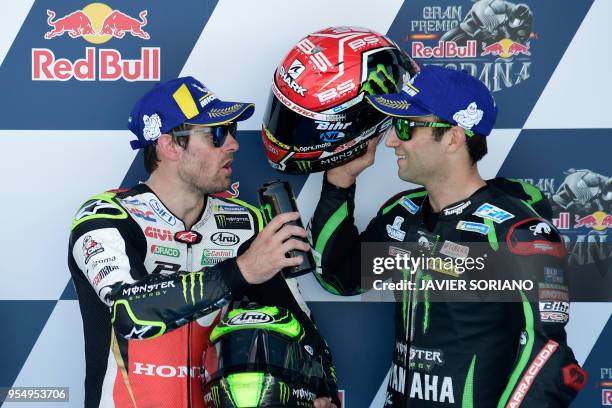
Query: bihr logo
column 490, row 40
column 97, row 24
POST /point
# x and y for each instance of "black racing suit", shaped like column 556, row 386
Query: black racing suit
column 463, row 354
column 151, row 292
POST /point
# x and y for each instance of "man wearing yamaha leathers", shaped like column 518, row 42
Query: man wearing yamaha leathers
column 456, row 354
column 156, row 266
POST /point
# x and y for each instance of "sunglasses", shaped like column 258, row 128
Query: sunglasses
column 403, row 127
column 219, row 133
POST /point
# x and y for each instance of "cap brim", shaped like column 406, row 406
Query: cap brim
column 220, row 112
column 398, row 105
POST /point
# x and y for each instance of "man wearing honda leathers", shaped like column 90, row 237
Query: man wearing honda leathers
column 456, row 354
column 156, row 266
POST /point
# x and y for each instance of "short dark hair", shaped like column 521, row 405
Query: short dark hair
column 476, row 144
column 150, row 152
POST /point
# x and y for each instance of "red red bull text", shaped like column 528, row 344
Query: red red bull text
column 444, row 49
column 107, row 65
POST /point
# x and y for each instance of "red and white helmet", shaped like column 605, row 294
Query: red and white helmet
column 317, row 117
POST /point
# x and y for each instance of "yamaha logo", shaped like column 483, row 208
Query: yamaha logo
column 250, row 318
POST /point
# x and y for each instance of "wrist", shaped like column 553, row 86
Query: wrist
column 243, row 269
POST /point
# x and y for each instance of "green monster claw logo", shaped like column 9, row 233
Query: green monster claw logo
column 284, row 392
column 221, row 220
column 191, row 277
column 303, row 165
column 266, row 209
column 380, row 79
column 214, row 391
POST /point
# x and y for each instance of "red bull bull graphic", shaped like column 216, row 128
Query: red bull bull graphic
column 119, row 23
column 76, row 24
column 598, row 221
column 505, row 48
column 97, row 23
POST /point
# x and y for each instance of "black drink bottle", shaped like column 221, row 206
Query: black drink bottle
column 276, row 197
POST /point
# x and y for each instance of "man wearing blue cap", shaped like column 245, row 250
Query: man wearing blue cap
column 472, row 353
column 156, row 266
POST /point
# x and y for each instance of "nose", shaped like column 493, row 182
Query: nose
column 392, row 140
column 230, row 144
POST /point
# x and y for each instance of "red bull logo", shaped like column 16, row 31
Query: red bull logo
column 598, row 221
column 232, row 192
column 505, row 48
column 444, row 49
column 96, row 23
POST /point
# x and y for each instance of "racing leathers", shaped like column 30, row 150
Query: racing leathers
column 462, row 354
column 151, row 291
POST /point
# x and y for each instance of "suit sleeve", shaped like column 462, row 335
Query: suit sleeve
column 105, row 257
column 336, row 242
column 545, row 373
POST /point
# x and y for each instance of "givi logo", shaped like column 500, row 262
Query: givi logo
column 96, row 23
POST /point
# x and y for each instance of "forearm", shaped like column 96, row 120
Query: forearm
column 158, row 304
column 335, row 240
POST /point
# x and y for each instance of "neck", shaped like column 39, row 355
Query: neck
column 453, row 187
column 183, row 202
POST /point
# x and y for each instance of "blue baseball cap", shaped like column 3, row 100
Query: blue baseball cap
column 454, row 96
column 181, row 100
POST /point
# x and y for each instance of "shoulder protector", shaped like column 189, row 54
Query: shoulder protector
column 526, row 192
column 535, row 236
column 98, row 207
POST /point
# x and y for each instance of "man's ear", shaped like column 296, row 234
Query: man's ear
column 167, row 149
column 456, row 138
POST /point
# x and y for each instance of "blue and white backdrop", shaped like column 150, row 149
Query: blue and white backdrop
column 63, row 138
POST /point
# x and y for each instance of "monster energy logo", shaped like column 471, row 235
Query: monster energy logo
column 189, row 284
column 284, row 392
column 233, row 221
column 303, row 165
column 221, row 220
column 266, row 209
column 214, row 391
column 380, row 79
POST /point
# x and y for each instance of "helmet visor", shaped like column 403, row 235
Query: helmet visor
column 260, row 350
column 294, row 128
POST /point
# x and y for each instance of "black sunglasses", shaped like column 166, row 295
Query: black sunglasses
column 219, row 133
column 403, row 127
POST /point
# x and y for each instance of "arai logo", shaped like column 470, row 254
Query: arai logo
column 250, row 318
column 225, row 238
